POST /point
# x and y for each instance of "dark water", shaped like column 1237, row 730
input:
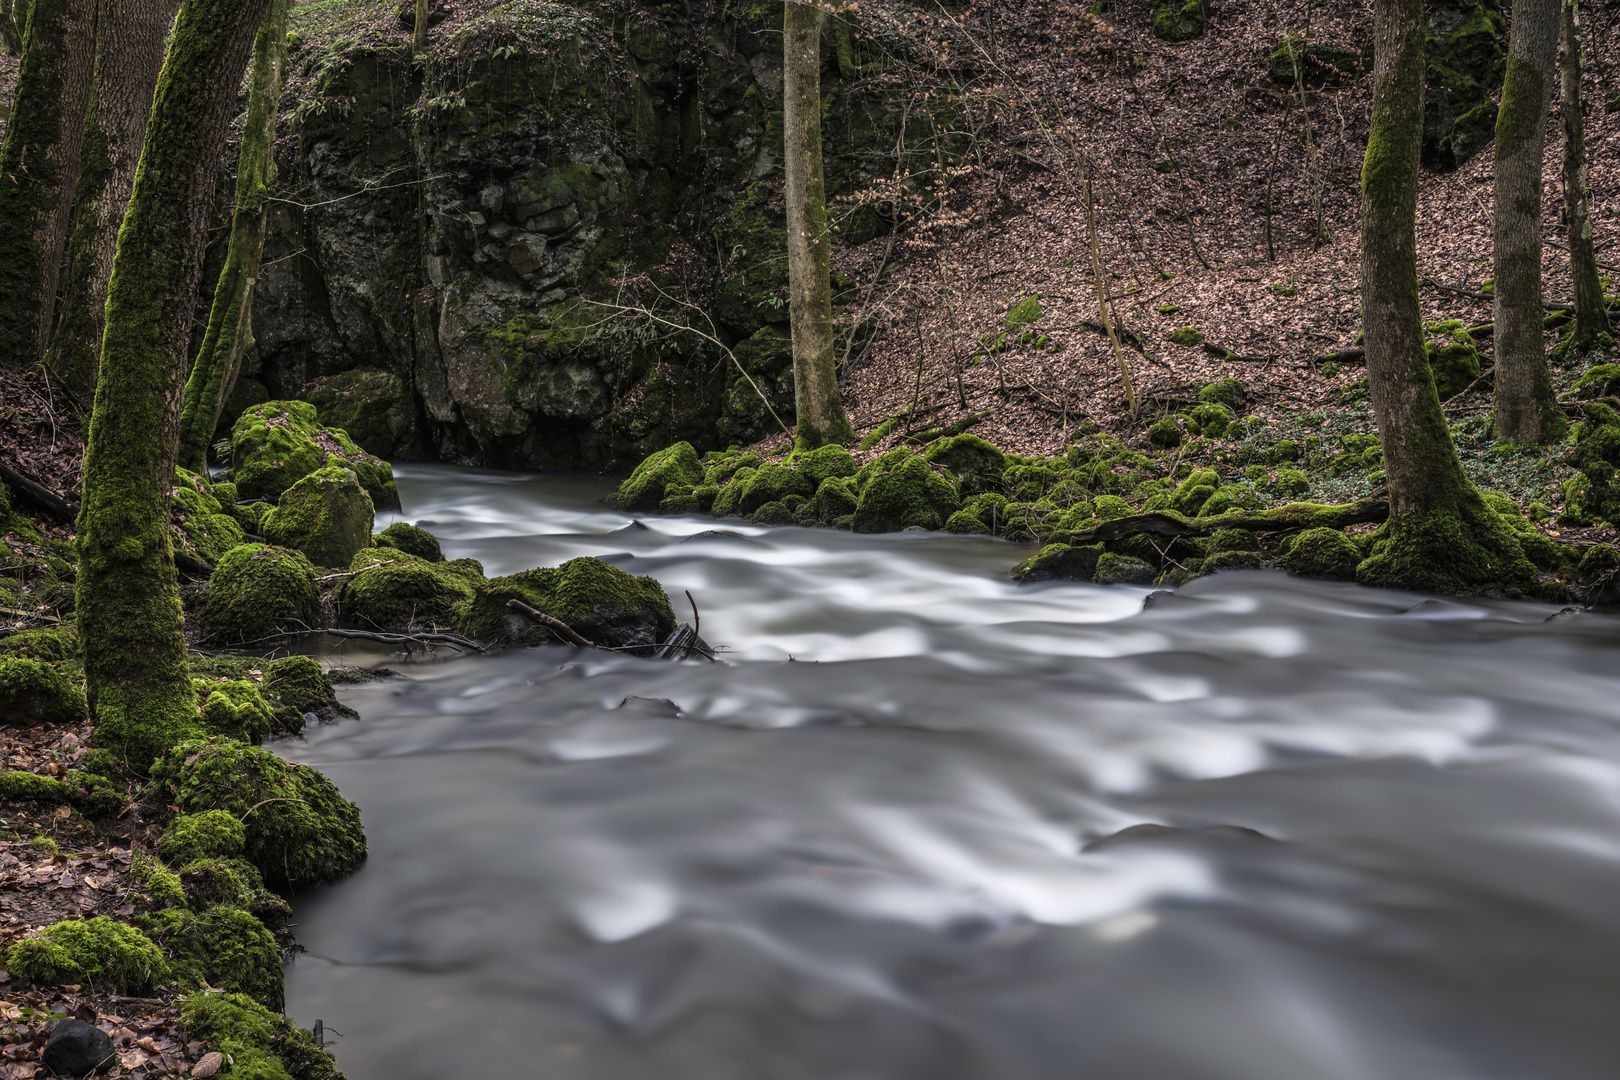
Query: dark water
column 870, row 849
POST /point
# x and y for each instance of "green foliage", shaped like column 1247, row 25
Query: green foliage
column 258, row 591
column 34, row 693
column 106, row 954
column 212, row 834
column 300, row 831
column 262, row 1044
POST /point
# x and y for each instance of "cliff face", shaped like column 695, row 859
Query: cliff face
column 454, row 222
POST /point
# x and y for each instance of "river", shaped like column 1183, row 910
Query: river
column 930, row 825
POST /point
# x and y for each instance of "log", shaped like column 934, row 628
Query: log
column 1168, row 523
column 192, row 568
column 42, row 497
column 556, row 626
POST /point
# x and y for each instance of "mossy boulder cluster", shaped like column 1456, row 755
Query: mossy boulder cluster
column 277, row 444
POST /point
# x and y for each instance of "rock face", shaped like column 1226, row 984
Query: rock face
column 76, row 1048
column 457, row 232
column 1465, row 64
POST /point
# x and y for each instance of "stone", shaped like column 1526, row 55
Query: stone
column 327, row 515
column 77, row 1048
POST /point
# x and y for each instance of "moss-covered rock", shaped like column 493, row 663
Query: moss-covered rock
column 1179, row 20
column 299, row 682
column 212, row 834
column 223, row 947
column 1187, row 335
column 31, row 787
column 396, row 591
column 966, row 522
column 825, row 462
column 1232, row 560
column 35, row 693
column 372, row 407
column 236, row 883
column 976, row 465
column 1230, row 540
column 257, row 592
column 326, row 515
column 48, row 645
column 300, row 830
column 1115, row 569
column 834, row 499
column 773, row 514
column 234, row 708
column 1314, row 65
column 773, row 483
column 1060, row 562
column 262, row 1044
column 597, row 600
column 100, row 952
column 1323, row 553
column 1291, row 483
column 1164, row 432
column 412, row 541
column 276, row 444
column 1464, row 61
column 1228, row 392
column 672, row 470
column 203, row 527
column 912, row 495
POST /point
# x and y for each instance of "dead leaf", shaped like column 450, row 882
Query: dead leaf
column 66, row 880
column 133, row 1059
column 64, row 812
column 210, row 1064
column 146, row 1042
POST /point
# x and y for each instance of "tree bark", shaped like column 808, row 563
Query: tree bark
column 230, row 322
column 129, row 52
column 419, row 41
column 1440, row 535
column 39, row 165
column 128, row 600
column 816, row 398
column 1526, row 409
column 1591, row 317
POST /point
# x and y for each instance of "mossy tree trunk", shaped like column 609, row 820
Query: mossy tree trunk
column 1440, row 535
column 39, row 165
column 128, row 600
column 1526, row 409
column 1591, row 319
column 816, row 398
column 129, row 52
column 230, row 321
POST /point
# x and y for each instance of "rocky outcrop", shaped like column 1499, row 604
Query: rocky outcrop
column 438, row 292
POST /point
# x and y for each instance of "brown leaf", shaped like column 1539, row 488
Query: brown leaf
column 210, row 1064
column 64, row 812
column 147, row 1043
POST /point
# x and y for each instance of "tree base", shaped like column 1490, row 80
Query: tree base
column 1467, row 551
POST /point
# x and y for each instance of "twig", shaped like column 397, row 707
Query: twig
column 557, row 626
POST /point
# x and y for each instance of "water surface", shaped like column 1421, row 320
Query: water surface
column 929, row 825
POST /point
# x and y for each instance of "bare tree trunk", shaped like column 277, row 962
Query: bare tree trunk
column 816, row 397
column 39, row 165
column 129, row 52
column 1440, row 535
column 419, row 42
column 230, row 322
column 1526, row 410
column 128, row 599
column 1591, row 318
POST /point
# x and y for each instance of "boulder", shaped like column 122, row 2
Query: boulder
column 257, row 592
column 598, row 601
column 300, row 683
column 1323, row 553
column 976, row 464
column 35, row 693
column 370, row 406
column 913, row 494
column 671, row 471
column 400, row 592
column 1060, row 562
column 412, row 541
column 326, row 515
column 77, row 1048
column 276, row 444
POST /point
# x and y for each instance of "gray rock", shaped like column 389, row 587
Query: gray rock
column 76, row 1048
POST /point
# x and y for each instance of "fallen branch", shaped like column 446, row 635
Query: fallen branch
column 42, row 497
column 30, row 615
column 192, row 568
column 556, row 626
column 1344, row 356
column 684, row 642
column 1280, row 519
column 1227, row 354
column 398, row 639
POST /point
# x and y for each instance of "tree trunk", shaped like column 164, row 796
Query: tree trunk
column 38, row 168
column 1440, row 536
column 816, row 398
column 1591, row 319
column 128, row 601
column 230, row 322
column 129, row 52
column 419, row 41
column 1526, row 409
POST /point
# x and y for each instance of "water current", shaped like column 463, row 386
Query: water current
column 929, row 825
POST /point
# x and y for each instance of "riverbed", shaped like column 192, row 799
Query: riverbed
column 925, row 824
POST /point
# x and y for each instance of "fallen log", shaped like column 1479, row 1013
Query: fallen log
column 42, row 497
column 192, row 568
column 556, row 626
column 1168, row 523
column 398, row 639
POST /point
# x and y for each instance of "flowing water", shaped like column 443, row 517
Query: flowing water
column 928, row 825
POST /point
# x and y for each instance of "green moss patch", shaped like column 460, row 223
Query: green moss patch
column 34, row 693
column 660, row 475
column 299, row 682
column 276, row 444
column 101, row 952
column 262, row 1044
column 257, row 592
column 599, row 601
column 412, row 541
column 326, row 515
column 212, row 834
column 911, row 495
column 1323, row 553
column 221, row 946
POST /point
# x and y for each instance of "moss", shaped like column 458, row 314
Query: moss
column 257, row 592
column 212, row 834
column 411, row 540
column 1061, row 562
column 1024, row 312
column 1600, row 380
column 728, row 501
column 326, row 515
column 1282, row 450
column 276, row 444
column 1455, row 366
column 824, row 462
column 403, row 592
column 773, row 483
column 236, row 883
column 1115, row 569
column 1230, row 540
column 371, row 406
column 976, row 465
column 1291, row 483
column 1466, row 550
column 599, row 601
column 1187, row 335
column 1231, row 560
column 262, row 1044
column 1164, row 432
column 772, row 514
column 1212, row 420
column 1111, row 508
column 50, row 645
column 672, row 470
column 106, row 954
column 834, row 499
column 201, row 525
column 878, row 434
column 1323, row 553
column 967, row 523
column 1179, row 20
column 235, row 709
column 31, row 787
column 223, row 947
column 163, row 887
column 299, row 682
column 911, row 495
column 300, row 831
column 33, row 693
